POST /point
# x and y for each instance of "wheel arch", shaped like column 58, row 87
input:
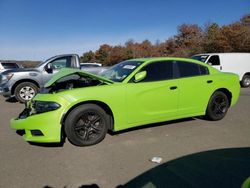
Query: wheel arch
column 242, row 79
column 247, row 73
column 101, row 104
column 21, row 81
column 227, row 93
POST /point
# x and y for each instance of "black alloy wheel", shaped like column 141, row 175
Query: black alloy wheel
column 218, row 106
column 86, row 125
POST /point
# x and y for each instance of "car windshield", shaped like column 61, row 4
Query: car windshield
column 201, row 58
column 121, row 71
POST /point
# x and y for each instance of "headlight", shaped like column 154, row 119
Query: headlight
column 44, row 106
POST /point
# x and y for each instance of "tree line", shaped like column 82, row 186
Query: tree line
column 190, row 39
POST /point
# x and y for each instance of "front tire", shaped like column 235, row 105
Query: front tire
column 217, row 107
column 86, row 125
column 245, row 82
column 25, row 91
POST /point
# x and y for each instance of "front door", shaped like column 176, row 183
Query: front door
column 155, row 98
column 214, row 61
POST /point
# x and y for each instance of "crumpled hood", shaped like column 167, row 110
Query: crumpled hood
column 68, row 71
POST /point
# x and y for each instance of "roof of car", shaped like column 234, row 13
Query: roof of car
column 162, row 58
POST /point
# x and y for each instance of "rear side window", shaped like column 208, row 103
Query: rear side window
column 9, row 65
column 203, row 70
column 187, row 69
column 157, row 71
column 214, row 60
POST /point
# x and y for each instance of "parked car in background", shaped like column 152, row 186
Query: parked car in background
column 95, row 68
column 8, row 66
column 25, row 83
column 90, row 65
column 136, row 92
column 238, row 63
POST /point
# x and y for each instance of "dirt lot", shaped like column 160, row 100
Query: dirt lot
column 195, row 153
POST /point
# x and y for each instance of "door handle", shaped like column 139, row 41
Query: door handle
column 173, row 87
column 210, row 81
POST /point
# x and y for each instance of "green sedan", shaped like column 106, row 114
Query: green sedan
column 83, row 107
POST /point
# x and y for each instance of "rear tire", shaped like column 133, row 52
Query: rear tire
column 217, row 107
column 86, row 125
column 245, row 82
column 25, row 91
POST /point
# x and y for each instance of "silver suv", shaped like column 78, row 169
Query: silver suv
column 25, row 83
column 6, row 66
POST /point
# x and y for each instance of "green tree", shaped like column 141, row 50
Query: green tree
column 166, row 48
column 102, row 55
column 188, row 40
column 245, row 20
column 88, row 57
column 215, row 40
column 237, row 36
column 117, row 55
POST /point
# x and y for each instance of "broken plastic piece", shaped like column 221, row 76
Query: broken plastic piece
column 156, row 160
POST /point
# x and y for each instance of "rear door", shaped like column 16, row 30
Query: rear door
column 155, row 98
column 195, row 87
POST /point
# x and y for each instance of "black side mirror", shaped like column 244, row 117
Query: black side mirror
column 48, row 68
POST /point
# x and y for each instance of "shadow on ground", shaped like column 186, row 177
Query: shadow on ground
column 152, row 125
column 11, row 100
column 82, row 186
column 221, row 168
column 21, row 132
column 47, row 145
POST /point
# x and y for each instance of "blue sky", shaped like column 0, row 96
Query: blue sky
column 38, row 29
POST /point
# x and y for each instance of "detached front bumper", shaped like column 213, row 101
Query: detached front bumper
column 44, row 127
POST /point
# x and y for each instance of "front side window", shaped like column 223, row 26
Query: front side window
column 187, row 69
column 214, row 60
column 61, row 62
column 157, row 71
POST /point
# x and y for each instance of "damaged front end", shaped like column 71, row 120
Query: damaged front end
column 68, row 79
column 65, row 79
column 41, row 120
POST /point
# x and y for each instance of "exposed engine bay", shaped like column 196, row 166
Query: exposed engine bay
column 71, row 82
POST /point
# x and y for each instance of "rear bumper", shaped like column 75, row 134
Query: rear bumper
column 48, row 124
column 235, row 90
